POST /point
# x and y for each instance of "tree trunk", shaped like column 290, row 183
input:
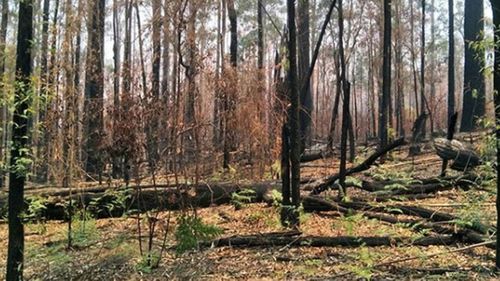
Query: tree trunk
column 230, row 93
column 191, row 71
column 94, row 87
column 306, row 101
column 116, row 83
column 422, row 70
column 386, row 75
column 289, row 214
column 346, row 120
column 474, row 99
column 4, row 124
column 17, row 177
column 451, row 62
column 496, row 21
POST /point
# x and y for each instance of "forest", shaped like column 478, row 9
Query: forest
column 249, row 139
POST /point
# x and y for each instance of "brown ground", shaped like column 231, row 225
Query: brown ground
column 112, row 252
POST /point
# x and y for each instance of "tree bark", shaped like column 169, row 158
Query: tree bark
column 496, row 21
column 94, row 88
column 386, row 75
column 306, row 102
column 474, row 99
column 451, row 61
column 4, row 124
column 346, row 87
column 17, row 177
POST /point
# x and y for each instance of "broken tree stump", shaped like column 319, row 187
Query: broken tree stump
column 463, row 157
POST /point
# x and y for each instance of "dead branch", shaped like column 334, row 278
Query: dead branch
column 325, row 183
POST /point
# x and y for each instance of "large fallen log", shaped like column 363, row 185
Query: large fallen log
column 116, row 202
column 325, row 183
column 320, row 241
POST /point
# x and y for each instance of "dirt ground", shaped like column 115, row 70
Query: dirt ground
column 109, row 248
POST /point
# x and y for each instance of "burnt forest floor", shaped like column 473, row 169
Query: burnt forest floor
column 108, row 249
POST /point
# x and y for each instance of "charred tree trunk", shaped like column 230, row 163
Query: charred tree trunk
column 306, row 101
column 474, row 100
column 289, row 214
column 386, row 75
column 94, row 87
column 346, row 120
column 116, row 82
column 451, row 62
column 17, row 177
column 230, row 94
column 4, row 124
column 496, row 21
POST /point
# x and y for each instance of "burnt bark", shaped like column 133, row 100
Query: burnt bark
column 17, row 176
column 94, row 88
column 474, row 99
column 386, row 75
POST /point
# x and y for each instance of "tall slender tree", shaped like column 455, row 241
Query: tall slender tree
column 386, row 74
column 346, row 118
column 451, row 61
column 422, row 69
column 290, row 213
column 306, row 101
column 230, row 94
column 496, row 22
column 474, row 99
column 94, row 87
column 17, row 177
column 3, row 97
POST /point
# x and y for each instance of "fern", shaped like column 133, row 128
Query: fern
column 191, row 230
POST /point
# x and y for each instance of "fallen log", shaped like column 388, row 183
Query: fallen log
column 419, row 186
column 320, row 241
column 310, row 156
column 325, row 183
column 116, row 202
column 314, row 203
column 416, row 211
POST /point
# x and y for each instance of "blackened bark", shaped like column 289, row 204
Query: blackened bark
column 3, row 108
column 156, row 38
column 94, row 87
column 295, row 107
column 422, row 69
column 17, row 177
column 345, row 108
column 474, row 102
column 306, row 101
column 451, row 62
column 260, row 35
column 230, row 94
column 289, row 213
column 191, row 71
column 386, row 75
